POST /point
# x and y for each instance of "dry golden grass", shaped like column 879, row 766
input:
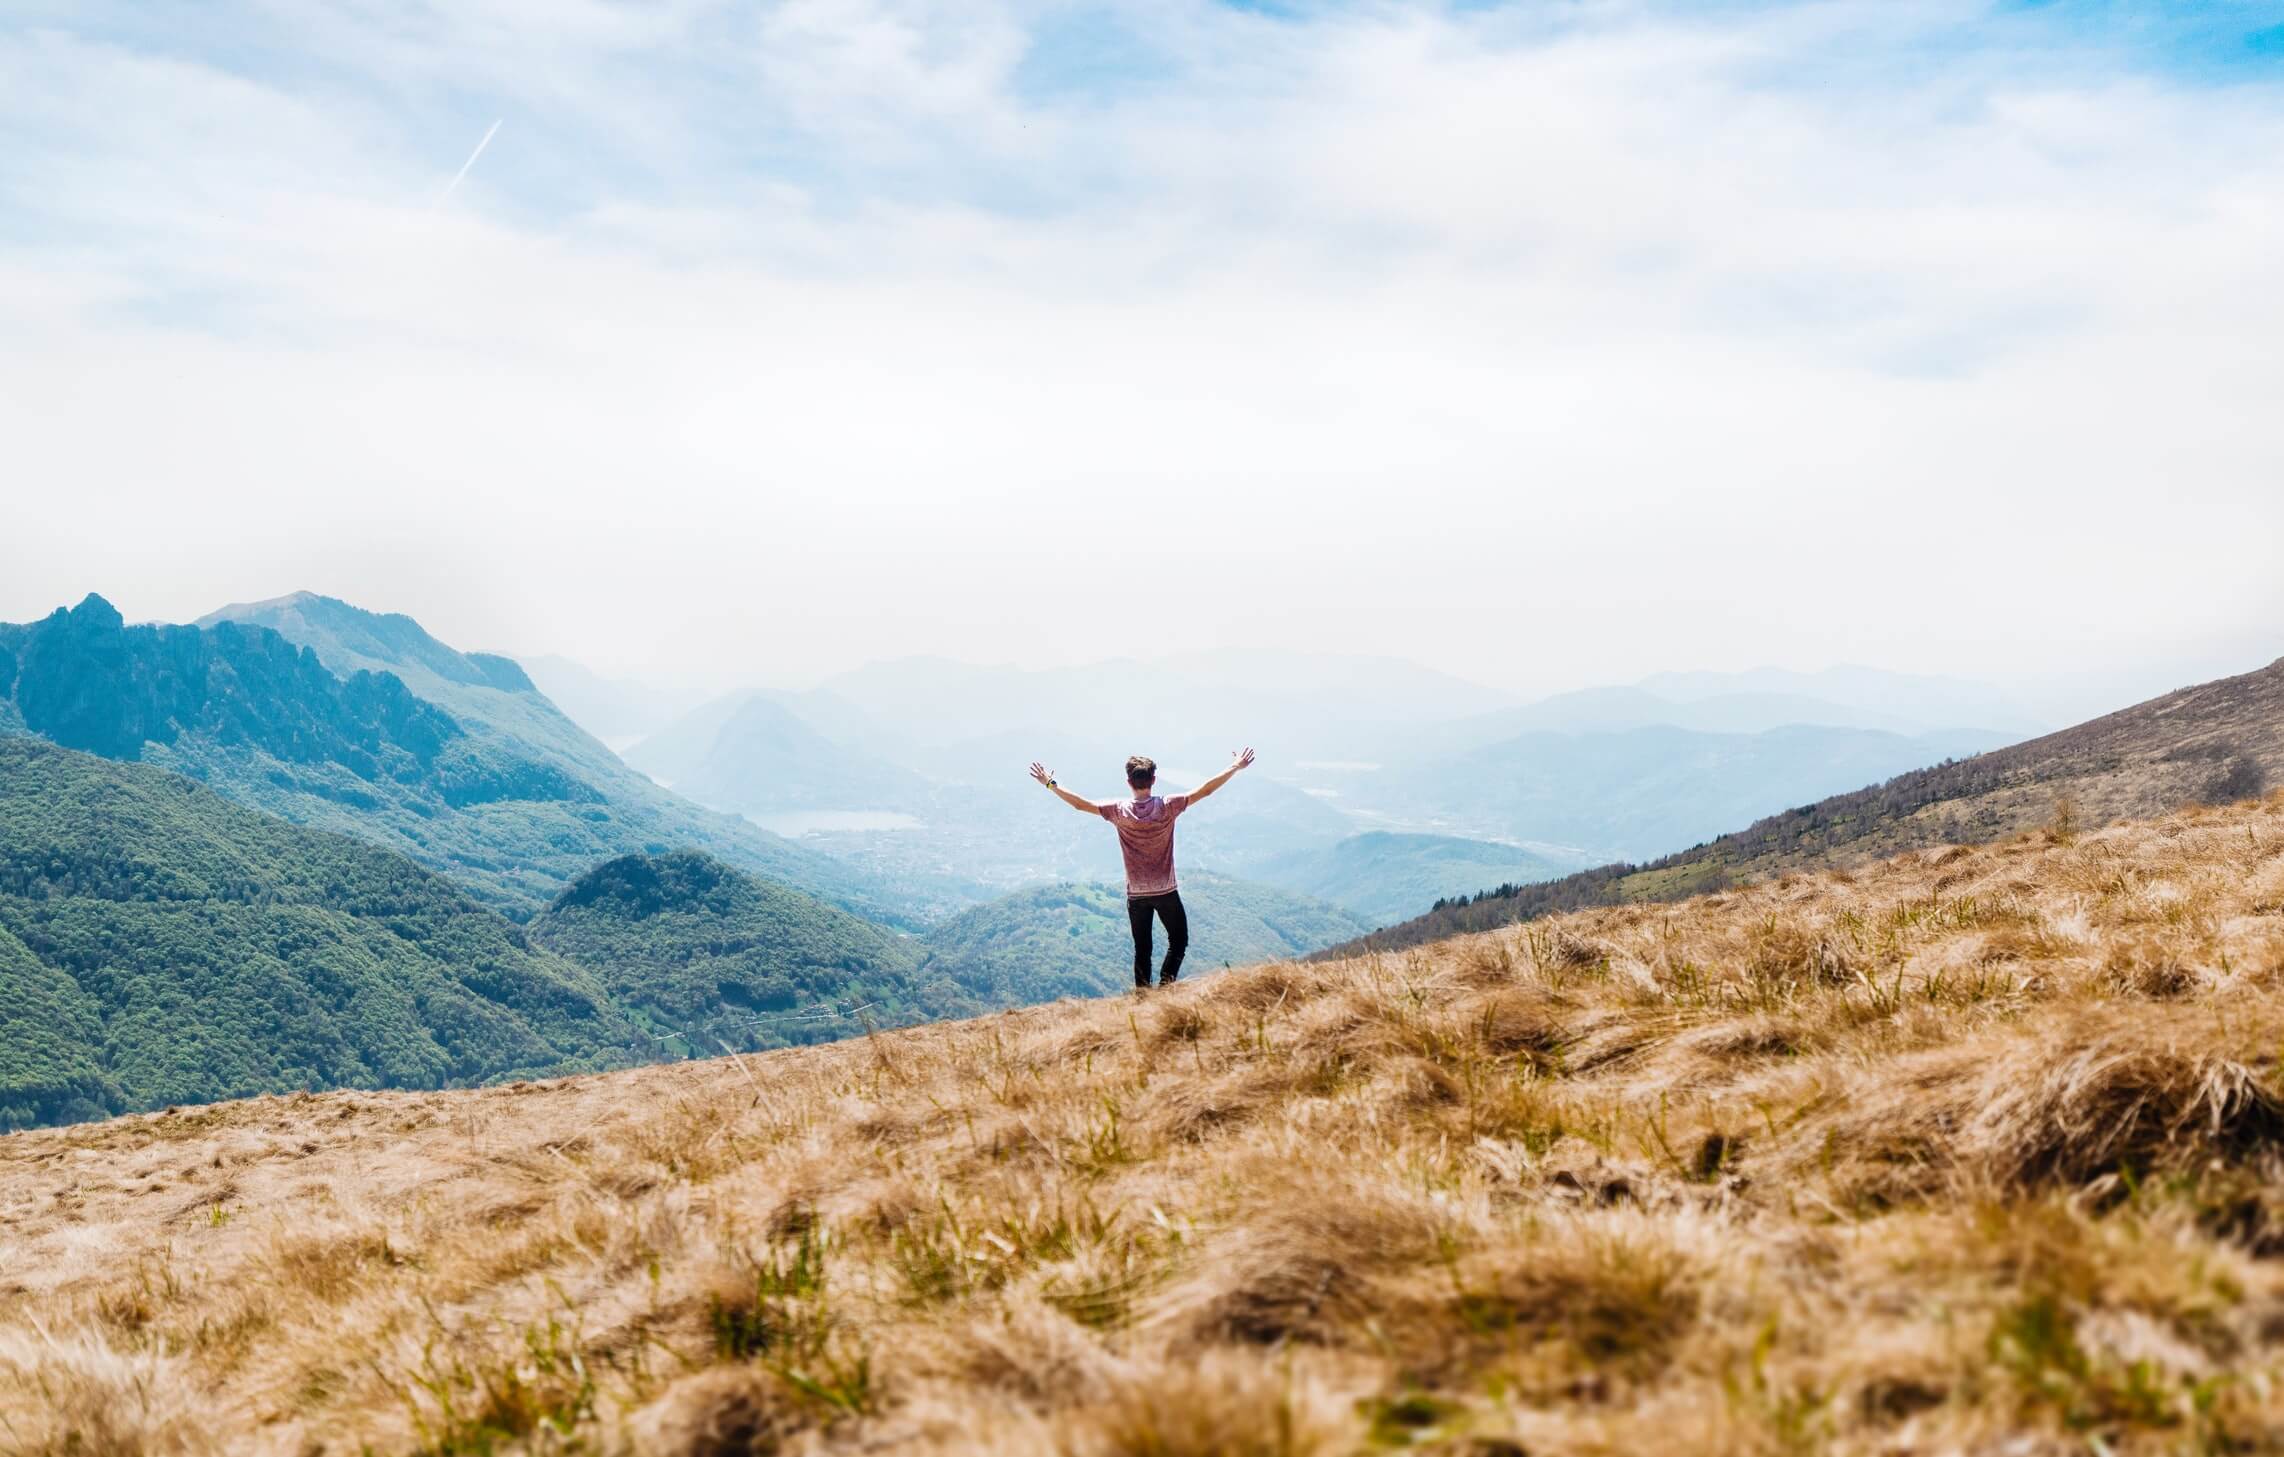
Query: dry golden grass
column 1977, row 1151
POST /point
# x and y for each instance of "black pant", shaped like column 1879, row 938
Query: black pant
column 1167, row 908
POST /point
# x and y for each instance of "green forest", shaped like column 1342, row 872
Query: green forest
column 160, row 945
column 714, row 958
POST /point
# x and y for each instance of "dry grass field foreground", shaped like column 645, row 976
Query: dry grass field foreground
column 1976, row 1150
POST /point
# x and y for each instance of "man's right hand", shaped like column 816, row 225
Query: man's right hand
column 1043, row 774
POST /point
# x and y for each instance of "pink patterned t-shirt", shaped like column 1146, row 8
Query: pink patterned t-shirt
column 1146, row 838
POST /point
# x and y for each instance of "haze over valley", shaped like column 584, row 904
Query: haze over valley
column 913, row 766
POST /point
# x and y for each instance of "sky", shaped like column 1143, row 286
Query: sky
column 1547, row 344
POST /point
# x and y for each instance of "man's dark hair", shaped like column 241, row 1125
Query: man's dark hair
column 1141, row 772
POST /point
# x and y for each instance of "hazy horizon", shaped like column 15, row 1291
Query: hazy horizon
column 2053, row 699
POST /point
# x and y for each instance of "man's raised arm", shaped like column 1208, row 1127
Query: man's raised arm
column 1046, row 776
column 1244, row 758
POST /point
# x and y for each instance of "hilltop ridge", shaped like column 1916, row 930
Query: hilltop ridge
column 85, row 679
column 350, row 638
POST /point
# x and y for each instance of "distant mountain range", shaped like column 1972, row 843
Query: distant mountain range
column 757, row 757
column 1638, row 792
column 1619, row 710
column 362, row 722
column 915, row 767
column 1904, row 702
column 618, row 711
column 974, row 812
column 2213, row 743
column 543, row 800
column 1311, row 707
column 1383, row 877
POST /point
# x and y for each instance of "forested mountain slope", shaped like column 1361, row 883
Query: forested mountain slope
column 159, row 944
column 374, row 729
column 2213, row 743
column 493, row 698
column 722, row 959
column 86, row 680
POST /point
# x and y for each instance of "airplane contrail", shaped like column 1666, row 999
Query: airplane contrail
column 464, row 166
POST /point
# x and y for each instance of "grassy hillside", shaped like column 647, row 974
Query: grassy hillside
column 723, row 959
column 367, row 726
column 1073, row 940
column 2214, row 743
column 1972, row 1151
column 1385, row 877
column 160, row 945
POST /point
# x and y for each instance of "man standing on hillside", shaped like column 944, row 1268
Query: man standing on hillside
column 1145, row 827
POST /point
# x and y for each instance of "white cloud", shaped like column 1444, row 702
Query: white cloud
column 794, row 336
